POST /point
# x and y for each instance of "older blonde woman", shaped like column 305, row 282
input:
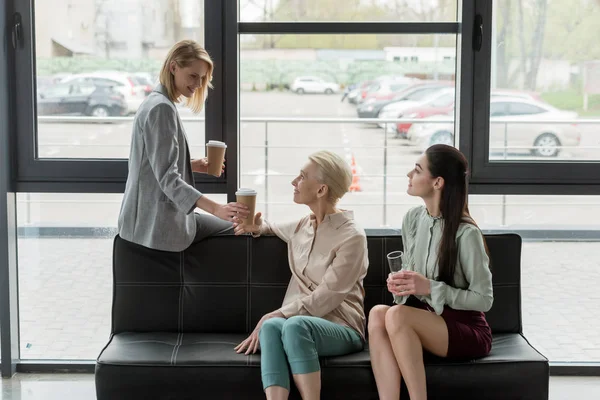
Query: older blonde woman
column 160, row 197
column 323, row 310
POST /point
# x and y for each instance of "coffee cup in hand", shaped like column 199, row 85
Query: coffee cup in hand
column 247, row 197
column 215, row 152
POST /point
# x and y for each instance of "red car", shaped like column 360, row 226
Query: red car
column 386, row 90
column 441, row 105
column 444, row 105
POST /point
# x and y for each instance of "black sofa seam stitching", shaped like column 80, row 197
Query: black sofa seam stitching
column 114, row 288
column 177, row 347
column 249, row 263
column 182, row 286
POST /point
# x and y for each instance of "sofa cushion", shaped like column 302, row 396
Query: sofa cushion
column 186, row 358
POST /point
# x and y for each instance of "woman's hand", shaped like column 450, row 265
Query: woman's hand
column 229, row 212
column 239, row 228
column 252, row 344
column 201, row 166
column 405, row 283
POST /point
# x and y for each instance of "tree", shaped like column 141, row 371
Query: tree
column 574, row 31
column 537, row 43
column 523, row 44
column 531, row 30
column 102, row 19
column 424, row 11
column 356, row 11
column 504, row 27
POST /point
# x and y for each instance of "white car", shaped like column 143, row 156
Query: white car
column 517, row 125
column 313, row 84
column 122, row 82
column 395, row 110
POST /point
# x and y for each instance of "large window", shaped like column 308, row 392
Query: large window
column 514, row 84
column 347, row 94
column 99, row 59
column 65, row 245
column 559, row 268
column 543, row 52
column 347, row 10
column 540, row 126
column 94, row 63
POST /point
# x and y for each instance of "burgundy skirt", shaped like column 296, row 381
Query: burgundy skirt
column 469, row 335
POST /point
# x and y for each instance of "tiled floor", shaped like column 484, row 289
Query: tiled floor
column 81, row 387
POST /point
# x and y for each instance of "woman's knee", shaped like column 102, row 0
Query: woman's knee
column 295, row 326
column 397, row 318
column 271, row 329
column 296, row 331
column 377, row 318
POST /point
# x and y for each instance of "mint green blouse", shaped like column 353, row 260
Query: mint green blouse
column 472, row 290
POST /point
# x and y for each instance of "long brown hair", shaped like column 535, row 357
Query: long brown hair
column 451, row 165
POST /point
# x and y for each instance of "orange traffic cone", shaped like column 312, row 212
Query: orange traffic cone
column 355, row 186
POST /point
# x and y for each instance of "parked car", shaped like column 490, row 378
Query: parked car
column 349, row 88
column 124, row 83
column 440, row 105
column 513, row 93
column 413, row 92
column 49, row 80
column 519, row 122
column 443, row 105
column 355, row 94
column 80, row 99
column 313, row 84
column 385, row 90
column 397, row 109
column 145, row 80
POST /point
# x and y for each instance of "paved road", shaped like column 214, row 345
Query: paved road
column 65, row 284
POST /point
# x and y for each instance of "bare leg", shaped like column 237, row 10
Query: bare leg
column 276, row 393
column 411, row 330
column 384, row 364
column 309, row 385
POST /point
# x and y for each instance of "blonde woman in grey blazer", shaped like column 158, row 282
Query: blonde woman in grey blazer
column 160, row 197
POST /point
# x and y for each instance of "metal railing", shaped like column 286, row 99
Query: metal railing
column 383, row 148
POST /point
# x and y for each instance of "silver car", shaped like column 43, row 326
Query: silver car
column 517, row 125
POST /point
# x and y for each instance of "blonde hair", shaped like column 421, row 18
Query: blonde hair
column 334, row 172
column 183, row 54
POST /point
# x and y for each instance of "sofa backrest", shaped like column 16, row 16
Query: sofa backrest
column 227, row 283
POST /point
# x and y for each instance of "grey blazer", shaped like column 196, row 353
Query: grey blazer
column 159, row 200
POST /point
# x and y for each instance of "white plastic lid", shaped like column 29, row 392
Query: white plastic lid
column 216, row 143
column 245, row 192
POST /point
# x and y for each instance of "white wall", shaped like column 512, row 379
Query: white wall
column 423, row 54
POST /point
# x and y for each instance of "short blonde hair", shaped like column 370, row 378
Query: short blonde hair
column 183, row 54
column 334, row 172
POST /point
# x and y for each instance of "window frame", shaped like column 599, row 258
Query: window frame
column 513, row 176
column 21, row 171
column 34, row 174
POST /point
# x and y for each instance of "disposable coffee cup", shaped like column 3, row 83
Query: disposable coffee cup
column 215, row 151
column 247, row 197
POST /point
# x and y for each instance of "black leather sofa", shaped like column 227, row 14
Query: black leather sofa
column 176, row 318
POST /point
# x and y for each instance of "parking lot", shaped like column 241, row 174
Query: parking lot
column 65, row 283
column 281, row 148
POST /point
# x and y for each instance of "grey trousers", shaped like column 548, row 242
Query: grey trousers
column 208, row 225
